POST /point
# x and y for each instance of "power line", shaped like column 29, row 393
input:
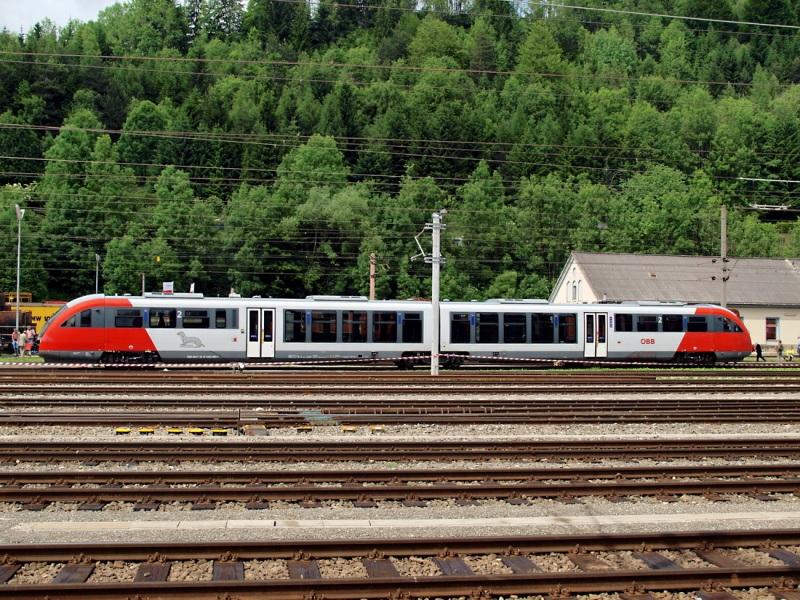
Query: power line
column 670, row 16
column 280, row 140
column 332, row 65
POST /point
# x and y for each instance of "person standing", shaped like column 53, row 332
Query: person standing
column 15, row 342
column 23, row 339
column 779, row 350
column 759, row 353
column 29, row 337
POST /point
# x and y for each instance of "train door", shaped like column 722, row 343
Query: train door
column 260, row 333
column 595, row 335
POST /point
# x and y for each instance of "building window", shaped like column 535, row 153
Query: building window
column 773, row 328
column 574, row 291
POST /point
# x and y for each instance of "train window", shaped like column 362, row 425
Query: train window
column 161, row 318
column 514, row 328
column 323, row 326
column 672, row 323
column 86, row 318
column 728, row 326
column 196, row 319
column 697, row 324
column 623, row 322
column 487, row 328
column 354, row 326
column 71, row 322
column 412, row 328
column 542, row 329
column 221, row 319
column 294, row 326
column 459, row 328
column 127, row 317
column 567, row 328
column 647, row 323
column 384, row 327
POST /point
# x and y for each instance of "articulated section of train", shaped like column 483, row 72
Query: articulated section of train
column 192, row 328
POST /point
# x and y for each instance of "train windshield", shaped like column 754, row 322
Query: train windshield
column 50, row 320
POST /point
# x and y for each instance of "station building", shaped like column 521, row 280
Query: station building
column 765, row 291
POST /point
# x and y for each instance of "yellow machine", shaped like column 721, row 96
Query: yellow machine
column 31, row 313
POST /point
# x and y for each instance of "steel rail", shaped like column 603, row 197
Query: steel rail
column 352, row 477
column 707, row 401
column 291, row 389
column 431, row 415
column 519, row 492
column 254, row 449
column 11, row 374
column 304, row 555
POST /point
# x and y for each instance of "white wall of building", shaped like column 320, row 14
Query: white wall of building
column 788, row 325
column 573, row 289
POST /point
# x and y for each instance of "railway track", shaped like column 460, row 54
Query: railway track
column 376, row 413
column 290, row 389
column 633, row 565
column 148, row 490
column 9, row 372
column 253, row 449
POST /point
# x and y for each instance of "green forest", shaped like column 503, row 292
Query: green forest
column 271, row 146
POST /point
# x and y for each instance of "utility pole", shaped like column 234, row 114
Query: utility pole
column 142, row 285
column 435, row 259
column 20, row 213
column 373, row 260
column 723, row 251
column 96, row 273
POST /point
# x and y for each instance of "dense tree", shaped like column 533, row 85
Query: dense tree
column 273, row 148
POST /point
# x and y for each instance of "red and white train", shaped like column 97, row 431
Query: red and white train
column 192, row 328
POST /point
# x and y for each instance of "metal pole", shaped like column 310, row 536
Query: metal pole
column 20, row 213
column 96, row 273
column 142, row 285
column 372, row 262
column 724, row 252
column 436, row 258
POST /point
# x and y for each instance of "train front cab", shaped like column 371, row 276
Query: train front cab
column 694, row 334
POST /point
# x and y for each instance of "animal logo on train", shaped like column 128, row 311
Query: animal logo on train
column 188, row 341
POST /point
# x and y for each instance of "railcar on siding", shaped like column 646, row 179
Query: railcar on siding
column 192, row 328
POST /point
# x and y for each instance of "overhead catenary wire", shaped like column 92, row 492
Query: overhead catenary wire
column 334, row 65
column 294, row 139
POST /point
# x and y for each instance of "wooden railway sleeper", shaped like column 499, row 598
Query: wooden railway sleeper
column 784, row 584
column 559, row 592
